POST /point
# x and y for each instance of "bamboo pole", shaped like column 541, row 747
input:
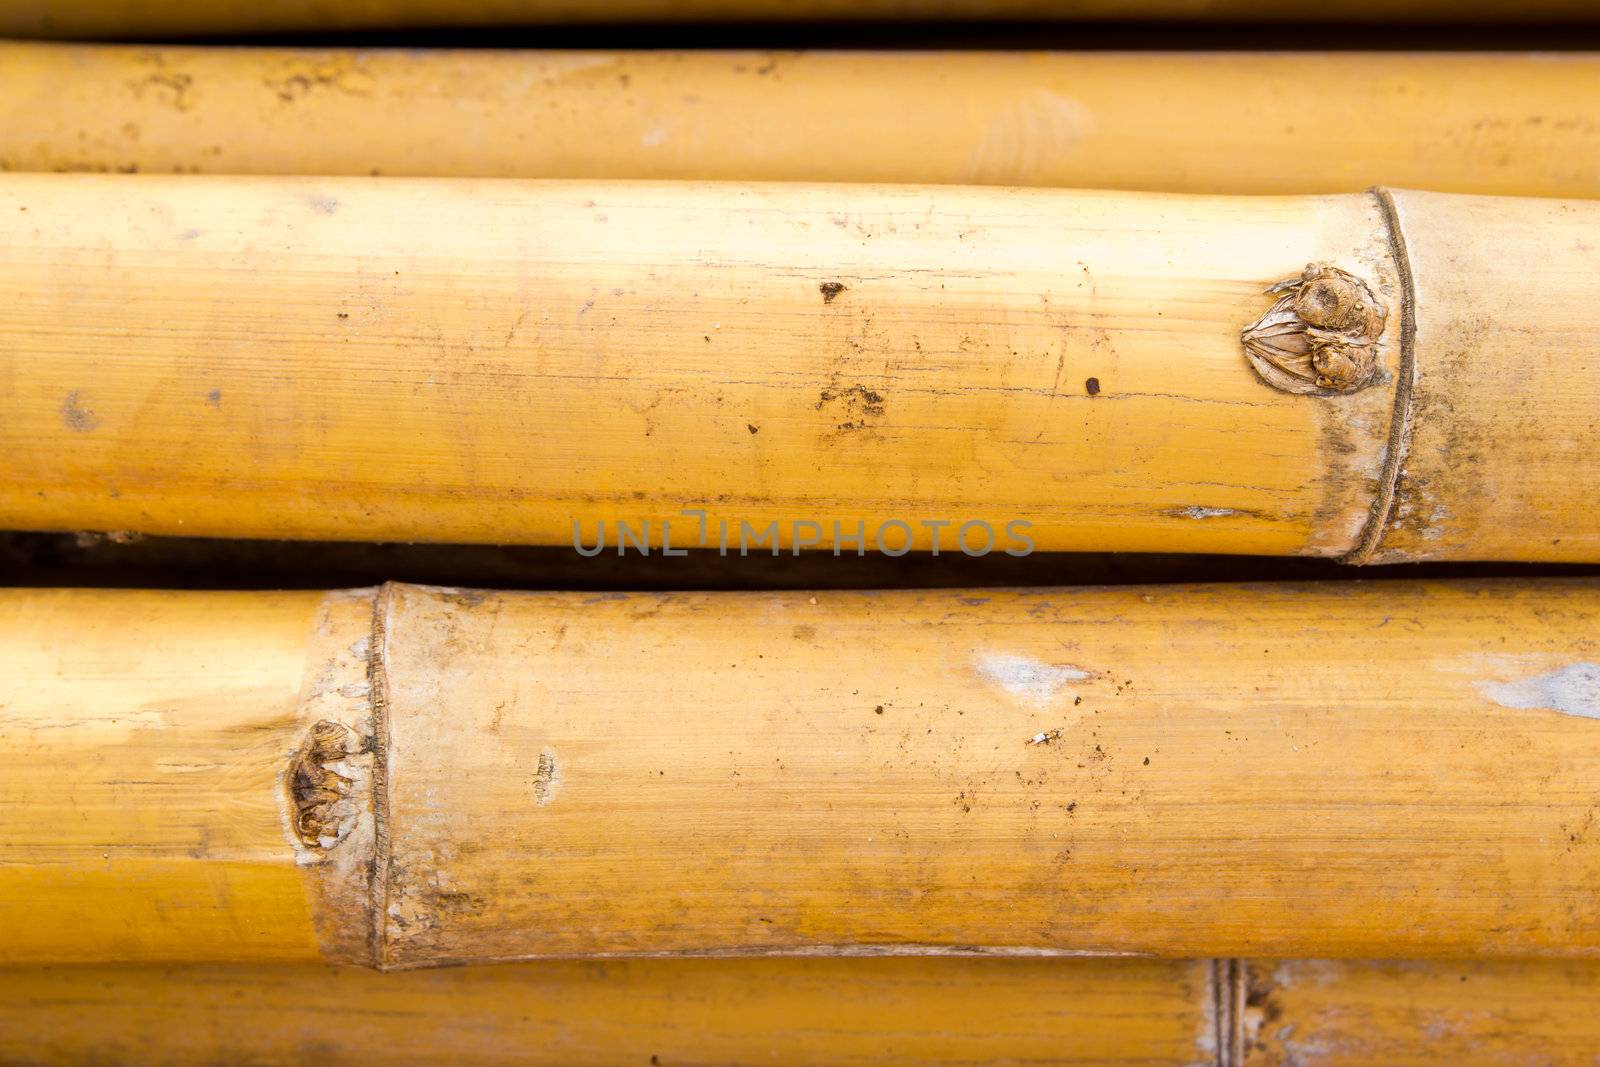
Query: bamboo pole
column 1514, row 124
column 1327, row 1013
column 567, row 1013
column 1312, row 1013
column 480, row 361
column 120, row 19
column 422, row 776
column 142, row 743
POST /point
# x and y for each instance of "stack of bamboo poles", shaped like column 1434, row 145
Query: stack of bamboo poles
column 1334, row 305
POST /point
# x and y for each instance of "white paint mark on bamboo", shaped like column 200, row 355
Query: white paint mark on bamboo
column 654, row 137
column 547, row 779
column 1574, row 690
column 1197, row 512
column 1028, row 679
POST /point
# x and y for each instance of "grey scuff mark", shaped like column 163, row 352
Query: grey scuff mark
column 76, row 416
column 327, row 205
column 214, row 398
column 1027, row 678
column 1572, row 690
column 547, row 779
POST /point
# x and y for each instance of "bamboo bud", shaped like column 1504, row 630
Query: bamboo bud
column 568, row 1013
column 117, row 18
column 831, row 366
column 472, row 777
column 1174, row 122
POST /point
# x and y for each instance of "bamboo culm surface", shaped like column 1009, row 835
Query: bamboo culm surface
column 845, row 1012
column 417, row 776
column 1243, row 123
column 1377, row 377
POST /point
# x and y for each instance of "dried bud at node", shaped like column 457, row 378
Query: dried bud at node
column 323, row 809
column 1321, row 336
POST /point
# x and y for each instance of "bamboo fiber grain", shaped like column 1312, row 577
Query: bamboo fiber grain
column 1313, row 1013
column 570, row 1013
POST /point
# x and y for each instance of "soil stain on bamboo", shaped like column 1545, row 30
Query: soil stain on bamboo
column 831, row 290
column 859, row 405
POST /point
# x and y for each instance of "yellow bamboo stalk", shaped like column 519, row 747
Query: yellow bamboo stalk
column 1313, row 1013
column 141, row 764
column 1328, row 1013
column 1515, row 124
column 482, row 361
column 568, row 1013
column 421, row 776
column 119, row 18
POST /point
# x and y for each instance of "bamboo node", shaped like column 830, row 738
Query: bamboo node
column 1320, row 336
